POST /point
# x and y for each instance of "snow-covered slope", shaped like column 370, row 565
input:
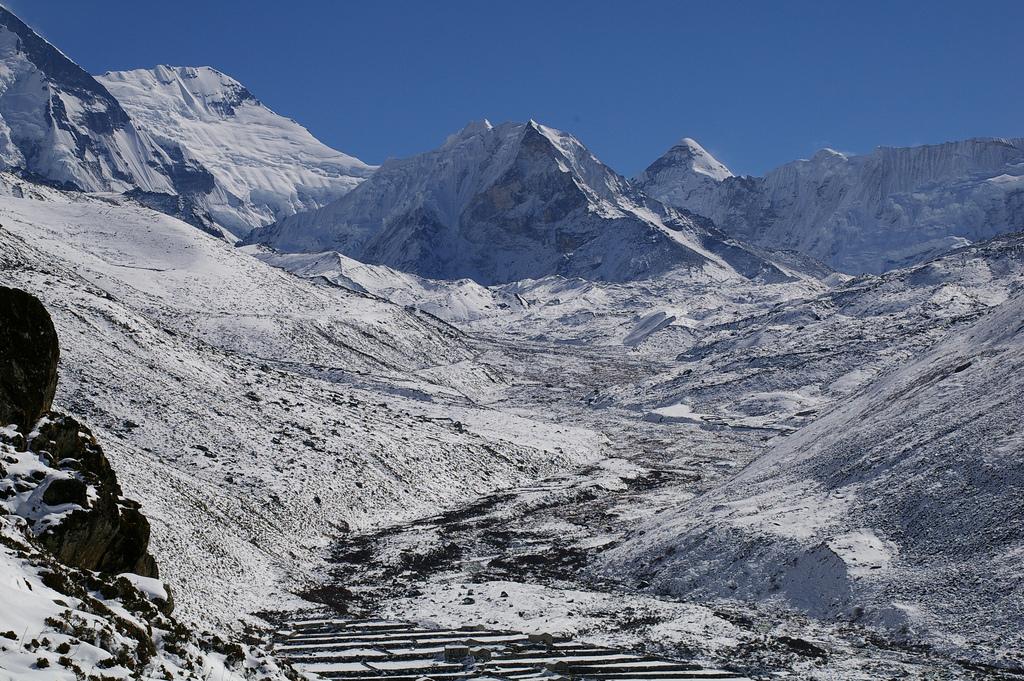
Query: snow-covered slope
column 515, row 201
column 76, row 577
column 265, row 166
column 459, row 301
column 870, row 213
column 722, row 372
column 776, row 367
column 256, row 415
column 736, row 356
column 900, row 507
column 57, row 623
column 658, row 317
column 59, row 125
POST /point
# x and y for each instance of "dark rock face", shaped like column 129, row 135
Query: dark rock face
column 28, row 359
column 188, row 177
column 66, row 491
column 109, row 534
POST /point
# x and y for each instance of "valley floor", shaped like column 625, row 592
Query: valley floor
column 529, row 559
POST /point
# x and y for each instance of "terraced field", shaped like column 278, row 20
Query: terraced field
column 374, row 649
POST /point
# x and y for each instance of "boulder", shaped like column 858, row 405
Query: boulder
column 28, row 358
column 64, row 440
column 111, row 534
column 62, row 491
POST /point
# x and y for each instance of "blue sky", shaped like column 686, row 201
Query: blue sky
column 757, row 83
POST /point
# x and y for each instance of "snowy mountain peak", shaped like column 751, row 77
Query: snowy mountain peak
column 264, row 166
column 54, row 65
column 202, row 89
column 510, row 202
column 189, row 141
column 562, row 140
column 827, row 155
column 684, row 171
column 61, row 126
column 472, row 129
column 862, row 213
column 699, row 159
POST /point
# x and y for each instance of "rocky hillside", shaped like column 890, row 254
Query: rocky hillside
column 779, row 366
column 897, row 509
column 256, row 414
column 77, row 583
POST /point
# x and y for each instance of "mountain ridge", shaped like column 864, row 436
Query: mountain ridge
column 507, row 202
column 869, row 213
column 264, row 166
column 61, row 126
column 190, row 142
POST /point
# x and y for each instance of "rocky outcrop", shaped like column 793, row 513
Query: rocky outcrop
column 62, row 484
column 28, row 359
column 108, row 533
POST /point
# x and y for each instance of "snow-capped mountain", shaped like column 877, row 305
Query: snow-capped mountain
column 868, row 213
column 509, row 202
column 265, row 166
column 190, row 142
column 685, row 171
column 60, row 126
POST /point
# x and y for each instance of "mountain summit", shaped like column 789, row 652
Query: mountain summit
column 858, row 213
column 59, row 125
column 265, row 166
column 685, row 170
column 509, row 202
column 191, row 142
